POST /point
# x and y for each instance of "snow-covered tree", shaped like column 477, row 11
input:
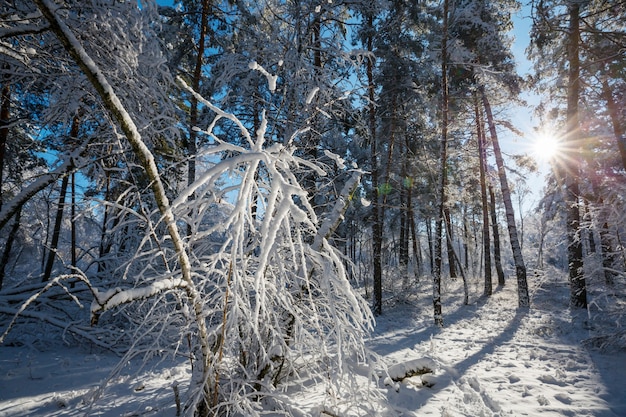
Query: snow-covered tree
column 255, row 296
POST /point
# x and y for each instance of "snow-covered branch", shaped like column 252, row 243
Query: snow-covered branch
column 334, row 218
column 115, row 297
column 66, row 168
column 115, row 107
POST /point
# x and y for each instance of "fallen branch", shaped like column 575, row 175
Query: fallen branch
column 85, row 333
column 32, row 298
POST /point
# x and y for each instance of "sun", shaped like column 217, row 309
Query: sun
column 546, row 146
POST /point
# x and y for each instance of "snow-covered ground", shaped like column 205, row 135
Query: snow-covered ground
column 490, row 359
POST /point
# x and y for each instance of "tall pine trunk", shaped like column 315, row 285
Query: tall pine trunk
column 56, row 231
column 447, row 217
column 483, row 197
column 73, row 243
column 58, row 220
column 191, row 145
column 443, row 172
column 377, row 229
column 578, row 287
column 618, row 129
column 431, row 249
column 5, row 115
column 520, row 267
column 497, row 253
column 608, row 254
column 6, row 253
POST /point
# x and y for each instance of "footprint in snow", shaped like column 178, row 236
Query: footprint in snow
column 549, row 379
column 514, row 378
column 564, row 398
column 542, row 400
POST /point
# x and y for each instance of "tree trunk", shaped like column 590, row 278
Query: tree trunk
column 589, row 227
column 449, row 240
column 520, row 267
column 105, row 241
column 466, row 239
column 443, row 172
column 483, row 195
column 455, row 258
column 58, row 221
column 608, row 254
column 417, row 256
column 623, row 248
column 618, row 130
column 191, row 146
column 56, row 231
column 5, row 115
column 73, row 245
column 10, row 208
column 497, row 253
column 6, row 253
column 73, row 220
column 578, row 287
column 403, row 255
column 377, row 230
column 431, row 256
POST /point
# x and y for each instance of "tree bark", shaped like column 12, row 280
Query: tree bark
column 449, row 239
column 429, row 235
column 520, row 267
column 497, row 253
column 5, row 115
column 443, row 172
column 455, row 258
column 483, row 196
column 578, row 287
column 56, row 231
column 608, row 254
column 191, row 145
column 415, row 241
column 377, row 237
column 589, row 226
column 618, row 130
column 6, row 253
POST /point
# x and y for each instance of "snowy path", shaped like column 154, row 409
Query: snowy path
column 497, row 360
column 491, row 359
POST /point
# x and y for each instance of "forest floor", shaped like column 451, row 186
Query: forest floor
column 490, row 359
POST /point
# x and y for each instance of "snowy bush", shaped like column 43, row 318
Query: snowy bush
column 274, row 294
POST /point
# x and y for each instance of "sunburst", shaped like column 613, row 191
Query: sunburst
column 546, row 146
